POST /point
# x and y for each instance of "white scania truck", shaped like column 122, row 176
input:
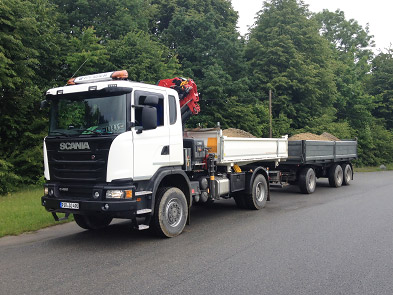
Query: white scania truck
column 117, row 149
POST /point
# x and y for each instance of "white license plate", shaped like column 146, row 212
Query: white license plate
column 68, row 205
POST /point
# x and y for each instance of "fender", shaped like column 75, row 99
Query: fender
column 160, row 176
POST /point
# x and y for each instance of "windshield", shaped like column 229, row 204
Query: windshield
column 100, row 115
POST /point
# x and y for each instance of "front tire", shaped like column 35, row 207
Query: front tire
column 171, row 211
column 92, row 221
column 347, row 171
column 307, row 180
column 258, row 197
column 335, row 176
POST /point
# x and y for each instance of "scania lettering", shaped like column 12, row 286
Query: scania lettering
column 74, row 146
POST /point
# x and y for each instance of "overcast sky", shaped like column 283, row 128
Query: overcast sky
column 377, row 13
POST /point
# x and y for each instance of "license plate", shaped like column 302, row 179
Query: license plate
column 68, row 205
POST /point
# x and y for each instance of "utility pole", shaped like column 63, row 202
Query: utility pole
column 270, row 112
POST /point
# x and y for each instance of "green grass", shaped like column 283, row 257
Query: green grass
column 22, row 212
column 373, row 169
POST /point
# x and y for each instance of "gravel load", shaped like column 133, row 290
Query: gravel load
column 233, row 132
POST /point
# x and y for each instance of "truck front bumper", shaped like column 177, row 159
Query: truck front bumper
column 86, row 207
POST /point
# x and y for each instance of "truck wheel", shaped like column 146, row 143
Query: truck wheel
column 170, row 214
column 307, row 180
column 257, row 199
column 335, row 176
column 347, row 171
column 92, row 221
column 239, row 200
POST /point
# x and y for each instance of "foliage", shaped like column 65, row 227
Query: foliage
column 285, row 53
column 86, row 54
column 347, row 36
column 144, row 58
column 29, row 50
column 8, row 179
column 110, row 19
column 381, row 86
column 210, row 50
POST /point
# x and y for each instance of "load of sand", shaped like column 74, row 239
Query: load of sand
column 310, row 136
column 233, row 132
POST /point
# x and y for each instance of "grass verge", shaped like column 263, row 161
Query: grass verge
column 373, row 169
column 22, row 212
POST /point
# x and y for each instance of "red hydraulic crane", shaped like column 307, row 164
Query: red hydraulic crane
column 188, row 95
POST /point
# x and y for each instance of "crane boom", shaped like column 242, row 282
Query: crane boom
column 188, row 95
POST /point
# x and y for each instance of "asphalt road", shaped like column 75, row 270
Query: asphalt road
column 336, row 241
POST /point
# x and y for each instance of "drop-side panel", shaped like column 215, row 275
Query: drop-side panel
column 316, row 150
column 241, row 150
column 319, row 151
column 346, row 149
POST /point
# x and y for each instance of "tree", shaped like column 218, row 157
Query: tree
column 285, row 53
column 352, row 54
column 203, row 36
column 351, row 45
column 381, row 86
column 144, row 58
column 347, row 36
column 86, row 54
column 109, row 19
column 29, row 43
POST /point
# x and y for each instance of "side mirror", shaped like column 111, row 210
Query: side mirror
column 44, row 104
column 149, row 118
column 151, row 100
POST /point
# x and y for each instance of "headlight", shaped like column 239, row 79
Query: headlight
column 46, row 191
column 118, row 194
column 114, row 194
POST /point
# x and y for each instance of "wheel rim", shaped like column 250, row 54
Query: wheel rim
column 339, row 173
column 173, row 212
column 260, row 192
column 311, row 181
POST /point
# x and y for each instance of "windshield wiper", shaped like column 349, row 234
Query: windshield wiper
column 94, row 131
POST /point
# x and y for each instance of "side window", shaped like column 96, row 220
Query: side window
column 140, row 97
column 172, row 110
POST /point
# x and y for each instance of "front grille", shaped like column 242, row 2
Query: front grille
column 86, row 165
column 75, row 192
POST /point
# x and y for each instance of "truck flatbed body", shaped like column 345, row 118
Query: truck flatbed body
column 241, row 150
column 303, row 152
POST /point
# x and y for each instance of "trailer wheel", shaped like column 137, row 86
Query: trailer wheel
column 92, row 221
column 347, row 171
column 335, row 176
column 307, row 180
column 170, row 214
column 257, row 199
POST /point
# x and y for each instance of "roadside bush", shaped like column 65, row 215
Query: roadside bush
column 8, row 179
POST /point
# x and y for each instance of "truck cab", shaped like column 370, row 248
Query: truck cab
column 117, row 149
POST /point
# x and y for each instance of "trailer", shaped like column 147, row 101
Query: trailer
column 312, row 159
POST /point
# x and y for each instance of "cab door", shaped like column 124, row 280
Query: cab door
column 151, row 147
column 175, row 131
